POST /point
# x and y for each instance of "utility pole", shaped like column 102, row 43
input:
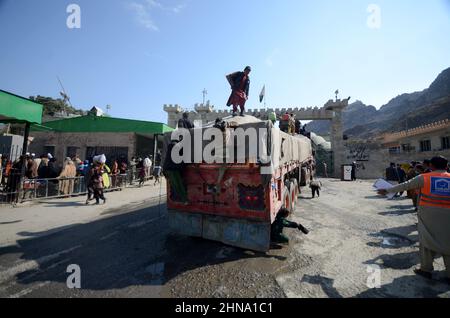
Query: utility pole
column 205, row 92
column 66, row 98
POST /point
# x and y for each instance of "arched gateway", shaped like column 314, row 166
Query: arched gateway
column 331, row 111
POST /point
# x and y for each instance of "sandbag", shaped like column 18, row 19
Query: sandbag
column 100, row 159
column 147, row 163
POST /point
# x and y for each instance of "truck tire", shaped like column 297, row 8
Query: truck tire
column 287, row 200
column 303, row 176
column 293, row 195
column 296, row 187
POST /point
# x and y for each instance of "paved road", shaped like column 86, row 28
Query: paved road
column 129, row 253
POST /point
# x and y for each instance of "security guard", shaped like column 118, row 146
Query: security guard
column 433, row 214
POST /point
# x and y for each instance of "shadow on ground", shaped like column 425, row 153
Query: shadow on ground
column 397, row 213
column 408, row 286
column 396, row 237
column 325, row 283
column 392, row 239
column 61, row 204
column 131, row 249
column 303, row 197
column 399, row 261
column 11, row 222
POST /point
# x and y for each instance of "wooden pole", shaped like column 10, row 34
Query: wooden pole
column 155, row 148
column 24, row 161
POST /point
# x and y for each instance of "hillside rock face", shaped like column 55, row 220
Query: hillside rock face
column 402, row 112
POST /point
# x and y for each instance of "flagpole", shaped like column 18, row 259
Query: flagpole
column 262, row 96
column 265, row 97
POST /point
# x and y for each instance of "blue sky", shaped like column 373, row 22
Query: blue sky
column 137, row 55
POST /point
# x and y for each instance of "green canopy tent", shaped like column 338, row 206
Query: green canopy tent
column 100, row 124
column 15, row 109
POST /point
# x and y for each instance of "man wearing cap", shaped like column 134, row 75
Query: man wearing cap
column 433, row 214
column 240, row 85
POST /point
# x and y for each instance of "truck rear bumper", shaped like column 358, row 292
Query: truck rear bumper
column 241, row 233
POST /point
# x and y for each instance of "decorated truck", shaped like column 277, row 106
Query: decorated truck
column 234, row 197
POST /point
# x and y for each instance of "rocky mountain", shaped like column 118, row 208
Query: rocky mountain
column 404, row 111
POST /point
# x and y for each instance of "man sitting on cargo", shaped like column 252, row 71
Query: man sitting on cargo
column 292, row 124
column 284, row 123
column 220, row 124
column 280, row 223
column 185, row 122
column 273, row 117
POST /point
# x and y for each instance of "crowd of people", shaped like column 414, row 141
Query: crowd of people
column 290, row 125
column 45, row 177
column 400, row 173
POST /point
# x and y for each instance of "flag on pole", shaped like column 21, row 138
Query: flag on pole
column 263, row 94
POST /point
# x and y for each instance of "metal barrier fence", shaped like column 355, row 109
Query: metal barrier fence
column 36, row 189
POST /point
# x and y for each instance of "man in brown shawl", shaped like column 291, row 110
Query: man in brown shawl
column 240, row 85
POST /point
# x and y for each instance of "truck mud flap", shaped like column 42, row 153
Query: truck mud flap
column 239, row 233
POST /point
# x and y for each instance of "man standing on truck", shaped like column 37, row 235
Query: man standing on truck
column 240, row 85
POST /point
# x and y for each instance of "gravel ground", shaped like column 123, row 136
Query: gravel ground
column 354, row 235
column 128, row 252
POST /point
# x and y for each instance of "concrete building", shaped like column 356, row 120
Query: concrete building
column 417, row 144
column 90, row 135
column 11, row 146
column 424, row 141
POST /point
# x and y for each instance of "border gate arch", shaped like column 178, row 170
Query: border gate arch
column 331, row 111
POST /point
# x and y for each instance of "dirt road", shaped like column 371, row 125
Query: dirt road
column 358, row 242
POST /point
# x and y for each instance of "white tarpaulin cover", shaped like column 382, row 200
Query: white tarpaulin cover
column 272, row 142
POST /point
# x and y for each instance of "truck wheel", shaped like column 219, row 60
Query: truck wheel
column 303, row 176
column 287, row 201
column 293, row 195
column 296, row 187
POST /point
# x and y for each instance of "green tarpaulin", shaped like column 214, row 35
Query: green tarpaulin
column 92, row 124
column 17, row 109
